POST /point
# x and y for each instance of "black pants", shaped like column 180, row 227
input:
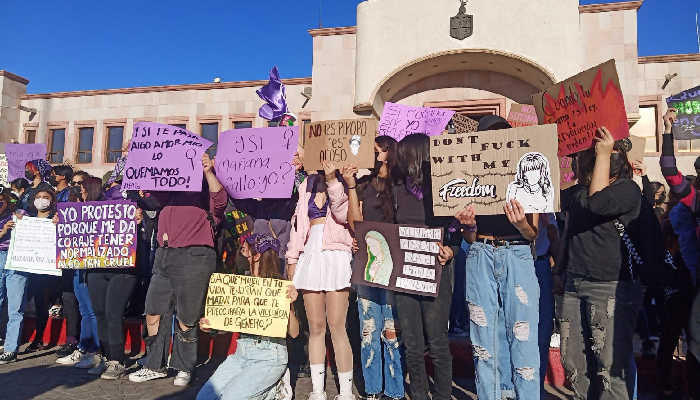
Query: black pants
column 44, row 289
column 109, row 294
column 693, row 334
column 71, row 312
column 674, row 312
column 424, row 319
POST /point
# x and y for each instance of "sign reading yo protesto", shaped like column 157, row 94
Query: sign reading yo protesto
column 342, row 142
column 582, row 104
column 687, row 103
column 402, row 258
column 247, row 304
column 487, row 168
column 96, row 234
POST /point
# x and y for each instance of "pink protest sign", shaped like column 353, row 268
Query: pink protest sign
column 399, row 121
column 166, row 158
column 18, row 154
column 256, row 163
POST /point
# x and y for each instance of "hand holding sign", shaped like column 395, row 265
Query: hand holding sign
column 670, row 119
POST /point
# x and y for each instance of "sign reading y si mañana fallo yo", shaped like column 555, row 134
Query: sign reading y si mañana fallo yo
column 399, row 121
column 342, row 142
column 164, row 158
column 96, row 234
column 18, row 154
column 257, row 162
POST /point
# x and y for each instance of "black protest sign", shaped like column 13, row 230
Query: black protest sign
column 687, row 103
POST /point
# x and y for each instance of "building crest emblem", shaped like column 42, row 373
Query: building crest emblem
column 462, row 24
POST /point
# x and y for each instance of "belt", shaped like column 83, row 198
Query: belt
column 504, row 242
column 542, row 257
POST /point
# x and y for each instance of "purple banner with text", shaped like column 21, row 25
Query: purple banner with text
column 399, row 121
column 17, row 156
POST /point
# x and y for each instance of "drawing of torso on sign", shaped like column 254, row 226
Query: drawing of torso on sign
column 532, row 186
column 379, row 262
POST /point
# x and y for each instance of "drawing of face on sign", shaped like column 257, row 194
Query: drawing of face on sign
column 379, row 262
column 532, row 186
column 355, row 142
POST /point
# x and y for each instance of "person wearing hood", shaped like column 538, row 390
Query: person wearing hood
column 503, row 296
column 36, row 172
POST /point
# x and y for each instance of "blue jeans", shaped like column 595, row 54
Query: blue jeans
column 89, row 340
column 503, row 298
column 543, row 270
column 14, row 284
column 251, row 373
column 459, row 315
column 377, row 304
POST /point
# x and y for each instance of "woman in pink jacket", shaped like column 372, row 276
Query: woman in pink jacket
column 318, row 258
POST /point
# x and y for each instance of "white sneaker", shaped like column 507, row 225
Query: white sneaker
column 344, row 396
column 89, row 362
column 73, row 358
column 317, row 395
column 100, row 368
column 182, row 379
column 142, row 361
column 145, row 375
column 555, row 341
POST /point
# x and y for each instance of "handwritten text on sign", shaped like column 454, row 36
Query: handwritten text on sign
column 164, row 157
column 17, row 156
column 96, row 235
column 33, row 247
column 257, row 162
column 582, row 104
column 342, row 142
column 687, row 103
column 522, row 115
column 399, row 121
column 247, row 304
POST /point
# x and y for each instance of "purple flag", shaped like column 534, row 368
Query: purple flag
column 17, row 156
column 275, row 97
column 399, row 121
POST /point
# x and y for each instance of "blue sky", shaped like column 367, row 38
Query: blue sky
column 81, row 44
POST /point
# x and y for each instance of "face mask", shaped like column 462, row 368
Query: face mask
column 53, row 180
column 661, row 199
column 29, row 175
column 16, row 194
column 42, row 204
column 616, row 164
column 377, row 165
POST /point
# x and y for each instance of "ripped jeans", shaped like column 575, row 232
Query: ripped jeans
column 503, row 299
column 597, row 325
column 377, row 314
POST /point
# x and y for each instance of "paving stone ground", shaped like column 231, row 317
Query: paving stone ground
column 37, row 376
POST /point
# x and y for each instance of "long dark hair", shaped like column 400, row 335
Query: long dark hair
column 384, row 189
column 586, row 161
column 413, row 151
column 269, row 264
column 52, row 194
column 93, row 187
column 8, row 206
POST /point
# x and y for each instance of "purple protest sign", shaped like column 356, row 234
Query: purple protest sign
column 257, row 162
column 164, row 157
column 17, row 156
column 96, row 234
column 399, row 121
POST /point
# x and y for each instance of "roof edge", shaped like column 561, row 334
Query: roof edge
column 607, row 7
column 344, row 30
column 9, row 75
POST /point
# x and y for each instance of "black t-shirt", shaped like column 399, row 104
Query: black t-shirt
column 412, row 211
column 368, row 195
column 593, row 245
column 496, row 226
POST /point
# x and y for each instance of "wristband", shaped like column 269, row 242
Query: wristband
column 470, row 229
column 349, row 188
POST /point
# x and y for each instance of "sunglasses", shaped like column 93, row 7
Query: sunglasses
column 73, row 183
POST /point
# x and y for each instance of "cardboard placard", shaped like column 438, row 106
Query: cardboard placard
column 96, row 234
column 582, row 104
column 33, row 247
column 687, row 103
column 566, row 173
column 3, row 170
column 247, row 304
column 486, row 168
column 18, row 154
column 522, row 115
column 399, row 121
column 342, row 142
column 402, row 258
column 256, row 163
column 164, row 158
column 635, row 147
column 464, row 124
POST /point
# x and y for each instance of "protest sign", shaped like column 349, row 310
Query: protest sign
column 687, row 103
column 522, row 115
column 256, row 163
column 342, row 142
column 487, row 168
column 3, row 170
column 164, row 157
column 464, row 124
column 566, row 173
column 33, row 247
column 635, row 147
column 582, row 104
column 96, row 234
column 402, row 258
column 248, row 304
column 18, row 154
column 399, row 120
column 236, row 227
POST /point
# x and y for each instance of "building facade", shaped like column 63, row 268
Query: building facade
column 401, row 51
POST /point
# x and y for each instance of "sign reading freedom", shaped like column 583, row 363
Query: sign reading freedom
column 399, row 121
column 248, row 304
column 17, row 156
column 164, row 157
column 687, row 103
column 582, row 104
column 96, row 234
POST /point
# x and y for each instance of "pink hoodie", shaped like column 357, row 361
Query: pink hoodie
column 336, row 235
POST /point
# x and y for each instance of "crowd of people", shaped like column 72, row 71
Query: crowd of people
column 613, row 253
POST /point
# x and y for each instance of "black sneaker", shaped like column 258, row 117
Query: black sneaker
column 6, row 358
column 304, row 372
column 66, row 350
column 34, row 346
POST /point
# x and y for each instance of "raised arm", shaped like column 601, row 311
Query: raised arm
column 677, row 183
column 354, row 206
column 336, row 194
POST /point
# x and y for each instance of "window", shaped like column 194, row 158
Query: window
column 272, row 124
column 115, row 142
column 302, row 129
column 181, row 126
column 242, row 124
column 85, row 138
column 31, row 136
column 647, row 127
column 211, row 133
column 57, row 142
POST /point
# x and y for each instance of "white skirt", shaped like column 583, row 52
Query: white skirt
column 322, row 270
